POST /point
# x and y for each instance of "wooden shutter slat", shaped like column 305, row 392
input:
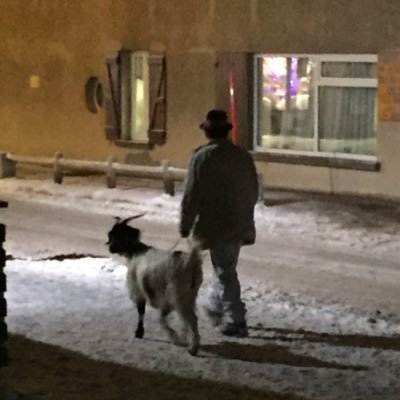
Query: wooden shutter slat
column 112, row 99
column 157, row 100
column 157, row 130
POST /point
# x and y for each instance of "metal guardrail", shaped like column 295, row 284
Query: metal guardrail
column 3, row 302
column 165, row 172
column 168, row 174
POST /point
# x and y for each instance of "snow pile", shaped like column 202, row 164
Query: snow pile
column 294, row 346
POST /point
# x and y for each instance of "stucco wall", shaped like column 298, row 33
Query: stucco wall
column 319, row 179
column 308, row 26
column 64, row 42
column 190, row 94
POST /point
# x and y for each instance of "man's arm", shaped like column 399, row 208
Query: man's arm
column 191, row 198
column 254, row 179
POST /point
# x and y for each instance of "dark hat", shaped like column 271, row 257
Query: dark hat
column 216, row 120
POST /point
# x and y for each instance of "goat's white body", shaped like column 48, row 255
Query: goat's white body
column 168, row 281
column 172, row 277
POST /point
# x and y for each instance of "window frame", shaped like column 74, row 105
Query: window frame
column 128, row 96
column 320, row 81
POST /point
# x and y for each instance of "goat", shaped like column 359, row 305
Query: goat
column 167, row 280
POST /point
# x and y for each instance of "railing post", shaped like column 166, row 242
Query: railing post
column 261, row 194
column 7, row 166
column 57, row 169
column 168, row 179
column 3, row 302
column 111, row 175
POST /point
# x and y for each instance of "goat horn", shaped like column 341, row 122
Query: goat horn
column 125, row 221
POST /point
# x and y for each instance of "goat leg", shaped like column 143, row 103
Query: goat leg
column 171, row 333
column 141, row 308
column 188, row 315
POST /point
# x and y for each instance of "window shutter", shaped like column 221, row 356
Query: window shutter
column 157, row 100
column 112, row 104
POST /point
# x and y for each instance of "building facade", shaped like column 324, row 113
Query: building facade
column 311, row 85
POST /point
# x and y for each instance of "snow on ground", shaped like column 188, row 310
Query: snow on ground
column 293, row 346
column 360, row 226
column 297, row 345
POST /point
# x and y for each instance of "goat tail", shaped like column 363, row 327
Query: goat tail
column 195, row 261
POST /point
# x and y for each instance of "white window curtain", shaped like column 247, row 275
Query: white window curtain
column 347, row 114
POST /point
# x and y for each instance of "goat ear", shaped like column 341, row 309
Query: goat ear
column 126, row 220
column 117, row 219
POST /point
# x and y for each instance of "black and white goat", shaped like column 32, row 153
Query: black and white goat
column 167, row 280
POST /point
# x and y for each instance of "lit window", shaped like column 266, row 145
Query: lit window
column 323, row 104
column 140, row 102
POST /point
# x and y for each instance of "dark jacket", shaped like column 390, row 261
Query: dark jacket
column 221, row 192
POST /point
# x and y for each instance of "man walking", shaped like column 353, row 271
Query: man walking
column 218, row 205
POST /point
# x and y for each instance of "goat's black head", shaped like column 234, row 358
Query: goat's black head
column 124, row 239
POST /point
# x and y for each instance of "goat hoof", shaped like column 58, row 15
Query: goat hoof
column 139, row 334
column 175, row 339
column 183, row 342
column 193, row 351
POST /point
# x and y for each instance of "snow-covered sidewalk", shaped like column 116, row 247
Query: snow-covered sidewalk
column 321, row 352
column 298, row 344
